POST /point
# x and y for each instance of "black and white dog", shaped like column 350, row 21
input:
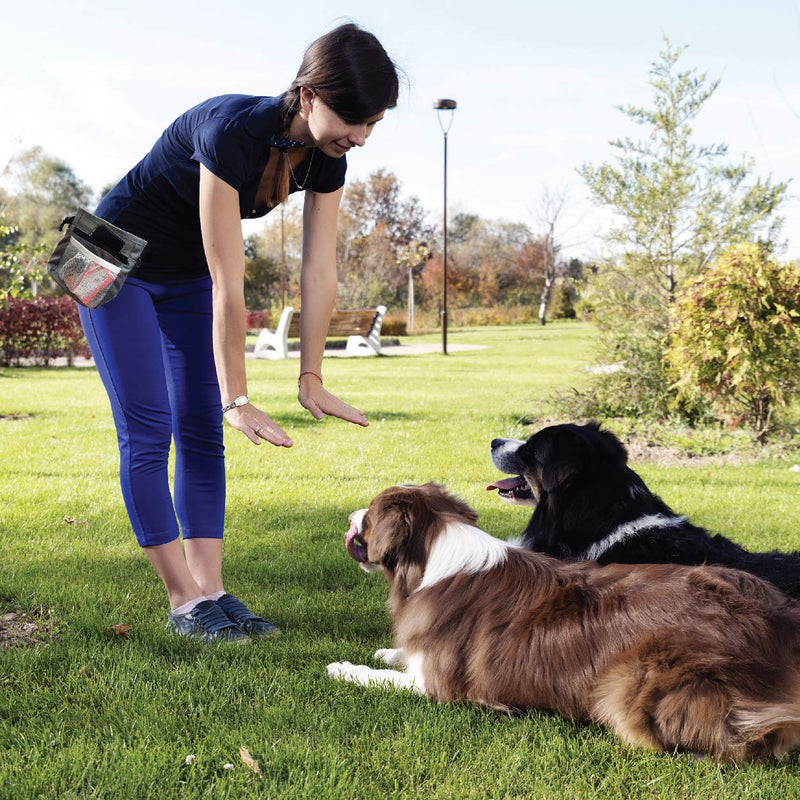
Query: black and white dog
column 590, row 505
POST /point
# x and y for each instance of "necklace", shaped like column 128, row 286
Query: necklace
column 301, row 186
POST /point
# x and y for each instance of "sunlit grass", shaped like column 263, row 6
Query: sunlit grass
column 99, row 715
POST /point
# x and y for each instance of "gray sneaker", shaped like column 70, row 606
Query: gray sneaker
column 207, row 622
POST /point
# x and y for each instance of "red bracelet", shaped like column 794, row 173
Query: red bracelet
column 309, row 372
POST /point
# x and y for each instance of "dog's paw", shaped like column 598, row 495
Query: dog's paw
column 389, row 656
column 338, row 669
column 345, row 671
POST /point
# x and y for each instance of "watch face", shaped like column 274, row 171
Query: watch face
column 241, row 400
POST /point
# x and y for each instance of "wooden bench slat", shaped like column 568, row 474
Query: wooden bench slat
column 343, row 323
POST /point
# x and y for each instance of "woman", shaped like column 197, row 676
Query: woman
column 170, row 347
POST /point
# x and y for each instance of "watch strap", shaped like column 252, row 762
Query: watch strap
column 241, row 400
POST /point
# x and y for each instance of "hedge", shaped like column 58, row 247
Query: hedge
column 39, row 331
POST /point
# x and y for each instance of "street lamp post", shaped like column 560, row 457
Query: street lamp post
column 446, row 105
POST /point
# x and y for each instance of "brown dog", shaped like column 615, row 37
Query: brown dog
column 704, row 659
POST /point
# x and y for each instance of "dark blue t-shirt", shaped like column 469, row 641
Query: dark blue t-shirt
column 159, row 198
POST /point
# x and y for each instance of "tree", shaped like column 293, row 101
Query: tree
column 526, row 283
column 262, row 276
column 552, row 206
column 493, row 262
column 736, row 339
column 511, row 264
column 677, row 205
column 376, row 228
column 413, row 257
column 561, row 300
column 12, row 277
column 280, row 244
column 41, row 191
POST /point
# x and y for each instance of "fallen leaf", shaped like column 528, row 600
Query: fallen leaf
column 248, row 760
column 117, row 630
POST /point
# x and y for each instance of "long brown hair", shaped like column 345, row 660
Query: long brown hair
column 352, row 74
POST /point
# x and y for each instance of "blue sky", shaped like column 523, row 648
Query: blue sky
column 537, row 86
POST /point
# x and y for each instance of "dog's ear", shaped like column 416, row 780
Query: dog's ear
column 611, row 448
column 384, row 522
column 394, row 515
column 563, row 455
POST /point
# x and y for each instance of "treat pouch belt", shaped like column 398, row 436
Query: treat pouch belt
column 93, row 258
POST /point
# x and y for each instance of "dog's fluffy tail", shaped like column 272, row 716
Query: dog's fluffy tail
column 767, row 729
column 689, row 712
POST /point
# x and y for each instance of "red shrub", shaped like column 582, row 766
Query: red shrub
column 38, row 331
column 257, row 320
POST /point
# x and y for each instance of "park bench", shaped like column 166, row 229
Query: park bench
column 361, row 326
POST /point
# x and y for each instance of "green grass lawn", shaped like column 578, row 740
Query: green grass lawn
column 96, row 714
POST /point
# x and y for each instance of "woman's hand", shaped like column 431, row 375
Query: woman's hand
column 319, row 401
column 256, row 425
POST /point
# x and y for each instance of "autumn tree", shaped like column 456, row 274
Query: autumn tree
column 379, row 233
column 493, row 262
column 377, row 225
column 273, row 259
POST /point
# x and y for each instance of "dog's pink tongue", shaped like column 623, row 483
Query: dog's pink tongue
column 506, row 483
column 350, row 535
column 354, row 548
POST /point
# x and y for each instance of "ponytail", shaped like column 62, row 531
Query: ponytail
column 279, row 190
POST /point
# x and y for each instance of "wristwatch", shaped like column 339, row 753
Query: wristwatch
column 241, row 400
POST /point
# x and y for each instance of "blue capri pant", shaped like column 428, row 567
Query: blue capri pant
column 153, row 348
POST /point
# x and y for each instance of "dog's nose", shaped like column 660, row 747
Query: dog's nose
column 497, row 443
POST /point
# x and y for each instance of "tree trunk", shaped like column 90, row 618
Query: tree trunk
column 411, row 306
column 545, row 299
